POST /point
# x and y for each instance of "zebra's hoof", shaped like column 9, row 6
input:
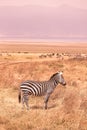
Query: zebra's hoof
column 45, row 108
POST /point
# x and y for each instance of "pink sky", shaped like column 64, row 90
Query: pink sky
column 76, row 3
column 43, row 18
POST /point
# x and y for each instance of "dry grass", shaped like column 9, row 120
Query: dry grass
column 67, row 107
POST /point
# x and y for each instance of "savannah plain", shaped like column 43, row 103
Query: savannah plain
column 67, row 107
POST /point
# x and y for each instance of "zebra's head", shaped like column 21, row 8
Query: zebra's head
column 60, row 78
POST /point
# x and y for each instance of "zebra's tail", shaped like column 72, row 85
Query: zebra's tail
column 19, row 96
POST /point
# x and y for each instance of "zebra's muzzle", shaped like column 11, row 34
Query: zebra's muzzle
column 64, row 84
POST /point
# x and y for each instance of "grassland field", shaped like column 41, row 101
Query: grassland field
column 67, row 107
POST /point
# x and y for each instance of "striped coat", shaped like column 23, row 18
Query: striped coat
column 38, row 88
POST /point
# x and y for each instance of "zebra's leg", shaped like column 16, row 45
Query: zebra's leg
column 46, row 100
column 26, row 102
column 23, row 100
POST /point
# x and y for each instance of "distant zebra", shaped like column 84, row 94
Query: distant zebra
column 40, row 88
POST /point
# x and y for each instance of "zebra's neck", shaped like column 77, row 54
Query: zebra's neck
column 55, row 82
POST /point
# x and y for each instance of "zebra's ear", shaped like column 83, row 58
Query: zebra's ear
column 61, row 72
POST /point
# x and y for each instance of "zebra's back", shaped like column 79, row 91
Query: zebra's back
column 34, row 87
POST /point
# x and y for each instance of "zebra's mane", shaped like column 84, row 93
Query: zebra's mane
column 53, row 75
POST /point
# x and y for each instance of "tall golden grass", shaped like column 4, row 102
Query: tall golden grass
column 67, row 107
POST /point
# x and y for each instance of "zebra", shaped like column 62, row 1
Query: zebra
column 39, row 88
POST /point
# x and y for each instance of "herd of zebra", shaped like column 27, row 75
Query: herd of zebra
column 39, row 88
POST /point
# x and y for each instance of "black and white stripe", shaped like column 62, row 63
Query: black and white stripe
column 34, row 88
column 40, row 88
